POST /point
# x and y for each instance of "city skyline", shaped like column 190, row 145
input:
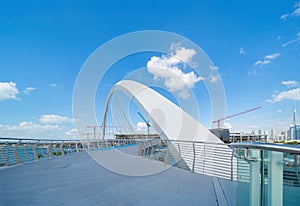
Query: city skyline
column 254, row 46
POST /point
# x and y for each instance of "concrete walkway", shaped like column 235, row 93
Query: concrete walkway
column 77, row 179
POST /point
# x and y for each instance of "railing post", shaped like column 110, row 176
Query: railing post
column 254, row 189
column 76, row 145
column 151, row 152
column 194, row 157
column 61, row 149
column 262, row 178
column 4, row 155
column 231, row 166
column 204, row 157
column 19, row 161
column 167, row 155
column 49, row 150
column 275, row 178
column 35, row 154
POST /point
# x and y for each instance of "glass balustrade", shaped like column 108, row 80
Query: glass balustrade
column 267, row 174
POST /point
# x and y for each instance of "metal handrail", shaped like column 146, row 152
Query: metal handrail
column 200, row 157
column 268, row 146
column 213, row 159
column 13, row 150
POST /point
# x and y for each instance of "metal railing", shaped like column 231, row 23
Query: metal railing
column 18, row 150
column 205, row 158
column 273, row 173
column 212, row 159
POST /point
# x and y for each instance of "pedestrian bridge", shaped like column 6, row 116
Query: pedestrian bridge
column 265, row 173
column 187, row 165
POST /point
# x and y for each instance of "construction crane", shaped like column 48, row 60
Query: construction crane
column 94, row 127
column 147, row 122
column 234, row 115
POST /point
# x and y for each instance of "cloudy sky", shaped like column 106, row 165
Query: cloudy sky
column 255, row 46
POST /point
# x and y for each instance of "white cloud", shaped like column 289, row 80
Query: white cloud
column 72, row 132
column 30, row 125
column 267, row 59
column 8, row 90
column 167, row 68
column 272, row 56
column 242, row 50
column 290, row 83
column 53, row 85
column 141, row 126
column 213, row 68
column 184, row 54
column 296, row 12
column 227, row 125
column 214, row 78
column 262, row 62
column 284, row 16
column 30, row 129
column 296, row 40
column 293, row 94
column 28, row 90
column 54, row 119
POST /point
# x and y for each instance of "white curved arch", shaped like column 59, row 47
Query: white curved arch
column 167, row 119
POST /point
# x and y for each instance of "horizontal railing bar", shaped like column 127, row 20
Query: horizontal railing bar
column 268, row 146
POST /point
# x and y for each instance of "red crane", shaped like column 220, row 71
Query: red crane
column 94, row 127
column 234, row 115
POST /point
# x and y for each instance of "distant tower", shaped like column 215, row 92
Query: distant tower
column 294, row 130
column 272, row 134
column 294, row 115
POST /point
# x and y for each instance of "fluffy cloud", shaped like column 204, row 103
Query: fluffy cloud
column 30, row 129
column 293, row 94
column 28, row 90
column 54, row 119
column 267, row 59
column 73, row 132
column 167, row 68
column 227, row 125
column 289, row 83
column 141, row 126
column 8, row 90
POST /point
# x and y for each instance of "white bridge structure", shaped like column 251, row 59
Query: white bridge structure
column 196, row 148
column 88, row 171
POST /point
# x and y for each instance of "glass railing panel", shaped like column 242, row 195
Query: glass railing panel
column 291, row 180
column 268, row 175
column 249, row 178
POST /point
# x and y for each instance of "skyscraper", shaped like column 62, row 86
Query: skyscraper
column 272, row 136
column 294, row 130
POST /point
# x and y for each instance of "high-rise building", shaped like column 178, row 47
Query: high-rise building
column 259, row 131
column 272, row 136
column 294, row 129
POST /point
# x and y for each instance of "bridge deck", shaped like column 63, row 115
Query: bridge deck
column 76, row 179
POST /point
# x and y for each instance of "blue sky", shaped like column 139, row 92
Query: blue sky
column 255, row 45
